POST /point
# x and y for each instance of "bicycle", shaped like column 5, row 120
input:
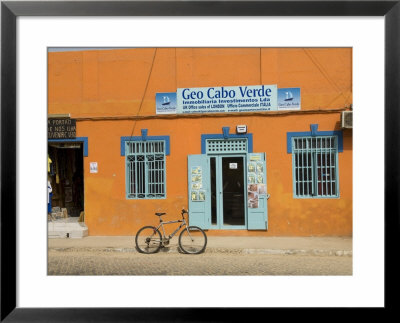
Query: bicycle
column 192, row 239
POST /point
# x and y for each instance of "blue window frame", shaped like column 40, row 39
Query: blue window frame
column 145, row 169
column 145, row 165
column 315, row 162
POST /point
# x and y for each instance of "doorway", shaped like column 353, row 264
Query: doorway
column 66, row 176
column 228, row 192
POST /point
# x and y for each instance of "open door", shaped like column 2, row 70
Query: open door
column 199, row 191
column 257, row 195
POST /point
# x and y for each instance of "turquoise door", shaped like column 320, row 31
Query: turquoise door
column 228, row 191
column 199, row 191
column 257, row 210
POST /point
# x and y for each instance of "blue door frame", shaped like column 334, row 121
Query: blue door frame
column 83, row 140
column 220, row 194
column 217, row 147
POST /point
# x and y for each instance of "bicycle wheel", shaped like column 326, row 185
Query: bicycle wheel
column 148, row 240
column 192, row 240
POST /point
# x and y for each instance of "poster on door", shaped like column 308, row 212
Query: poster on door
column 252, row 196
column 197, row 194
column 255, row 183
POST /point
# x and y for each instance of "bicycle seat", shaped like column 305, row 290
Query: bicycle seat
column 159, row 214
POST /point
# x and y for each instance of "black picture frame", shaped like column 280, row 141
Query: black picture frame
column 10, row 10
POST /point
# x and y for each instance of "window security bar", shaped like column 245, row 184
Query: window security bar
column 315, row 166
column 145, row 167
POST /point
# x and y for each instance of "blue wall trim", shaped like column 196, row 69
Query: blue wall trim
column 226, row 135
column 290, row 135
column 225, row 131
column 144, row 134
column 144, row 137
column 314, row 129
column 84, row 140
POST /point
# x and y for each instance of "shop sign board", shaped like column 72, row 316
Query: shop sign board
column 61, row 128
column 289, row 99
column 226, row 99
column 166, row 103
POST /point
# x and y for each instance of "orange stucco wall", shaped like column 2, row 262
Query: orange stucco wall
column 105, row 89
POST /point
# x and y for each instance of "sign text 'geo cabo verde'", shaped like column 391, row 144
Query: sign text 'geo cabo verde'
column 227, row 99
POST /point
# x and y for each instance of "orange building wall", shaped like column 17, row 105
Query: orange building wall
column 95, row 85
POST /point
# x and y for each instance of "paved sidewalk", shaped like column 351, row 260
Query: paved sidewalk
column 324, row 246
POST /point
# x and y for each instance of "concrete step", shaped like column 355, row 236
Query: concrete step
column 67, row 228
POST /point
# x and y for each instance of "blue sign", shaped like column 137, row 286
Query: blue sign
column 289, row 99
column 166, row 103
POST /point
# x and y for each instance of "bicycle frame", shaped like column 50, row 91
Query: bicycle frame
column 183, row 223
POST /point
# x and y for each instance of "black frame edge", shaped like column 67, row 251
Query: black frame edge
column 204, row 8
column 8, row 285
column 392, row 148
column 9, row 13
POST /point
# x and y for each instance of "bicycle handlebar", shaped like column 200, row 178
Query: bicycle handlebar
column 184, row 211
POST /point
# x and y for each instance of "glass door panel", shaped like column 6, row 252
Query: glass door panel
column 213, row 189
column 233, row 191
